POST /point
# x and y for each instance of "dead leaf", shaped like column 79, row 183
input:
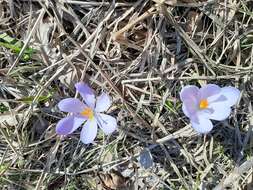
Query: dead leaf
column 146, row 159
column 170, row 2
column 193, row 21
column 192, row 1
column 114, row 180
column 10, row 119
column 45, row 32
column 1, row 10
column 56, row 183
column 68, row 77
column 40, row 125
column 107, row 156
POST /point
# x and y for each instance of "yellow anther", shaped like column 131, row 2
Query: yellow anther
column 203, row 104
column 87, row 112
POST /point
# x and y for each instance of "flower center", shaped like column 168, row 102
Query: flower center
column 87, row 112
column 203, row 104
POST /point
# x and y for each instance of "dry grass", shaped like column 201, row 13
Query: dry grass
column 142, row 52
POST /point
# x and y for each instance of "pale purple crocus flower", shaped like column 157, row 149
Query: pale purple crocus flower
column 87, row 114
column 208, row 102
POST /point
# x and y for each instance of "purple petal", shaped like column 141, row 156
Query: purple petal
column 72, row 105
column 190, row 97
column 87, row 93
column 103, row 103
column 89, row 131
column 185, row 110
column 232, row 94
column 204, row 124
column 68, row 125
column 209, row 91
column 189, row 108
column 220, row 111
column 107, row 123
column 189, row 93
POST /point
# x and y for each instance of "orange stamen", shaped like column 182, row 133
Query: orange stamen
column 203, row 104
column 87, row 112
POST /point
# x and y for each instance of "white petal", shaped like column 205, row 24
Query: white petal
column 89, row 131
column 203, row 126
column 232, row 94
column 107, row 123
column 220, row 111
column 103, row 103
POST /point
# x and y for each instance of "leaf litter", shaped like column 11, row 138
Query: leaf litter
column 142, row 53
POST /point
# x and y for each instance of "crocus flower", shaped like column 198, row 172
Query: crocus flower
column 87, row 113
column 208, row 102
